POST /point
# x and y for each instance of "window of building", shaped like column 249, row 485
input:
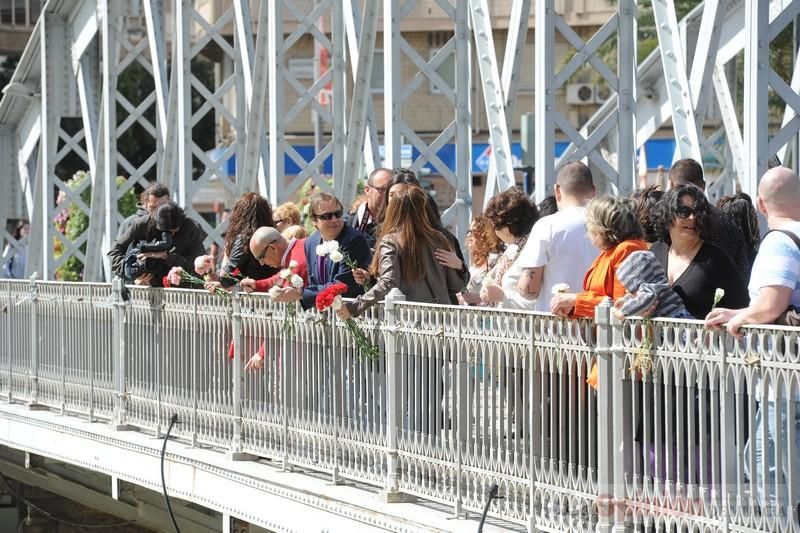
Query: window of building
column 446, row 70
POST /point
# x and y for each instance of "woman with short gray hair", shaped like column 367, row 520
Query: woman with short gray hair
column 614, row 229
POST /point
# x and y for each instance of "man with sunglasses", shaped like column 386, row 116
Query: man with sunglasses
column 375, row 190
column 326, row 215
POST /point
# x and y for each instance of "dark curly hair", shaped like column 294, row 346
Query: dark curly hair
column 739, row 208
column 645, row 204
column 667, row 211
column 548, row 206
column 250, row 212
column 514, row 210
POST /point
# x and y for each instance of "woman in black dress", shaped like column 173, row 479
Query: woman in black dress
column 695, row 268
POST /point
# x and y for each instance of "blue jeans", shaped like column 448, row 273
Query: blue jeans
column 778, row 475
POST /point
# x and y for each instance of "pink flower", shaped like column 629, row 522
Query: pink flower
column 175, row 276
column 204, row 264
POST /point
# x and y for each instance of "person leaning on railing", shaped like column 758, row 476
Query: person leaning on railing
column 696, row 268
column 774, row 297
column 187, row 236
column 411, row 255
column 614, row 229
column 252, row 211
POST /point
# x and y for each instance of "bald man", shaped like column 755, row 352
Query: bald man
column 774, row 287
column 270, row 248
column 775, row 279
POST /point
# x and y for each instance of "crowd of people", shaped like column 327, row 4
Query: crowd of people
column 563, row 256
column 658, row 254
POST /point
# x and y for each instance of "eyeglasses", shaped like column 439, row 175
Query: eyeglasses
column 260, row 257
column 328, row 216
column 381, row 190
column 684, row 211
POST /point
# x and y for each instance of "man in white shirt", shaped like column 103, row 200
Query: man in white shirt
column 559, row 249
column 774, row 286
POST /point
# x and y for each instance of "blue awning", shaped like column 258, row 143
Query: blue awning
column 659, row 152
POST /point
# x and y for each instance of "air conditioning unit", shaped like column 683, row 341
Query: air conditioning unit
column 602, row 92
column 580, row 94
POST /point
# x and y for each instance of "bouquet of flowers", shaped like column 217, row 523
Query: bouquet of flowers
column 332, row 250
column 204, row 265
column 288, row 279
column 177, row 275
column 331, row 296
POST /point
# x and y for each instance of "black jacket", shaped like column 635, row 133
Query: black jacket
column 241, row 258
column 188, row 243
column 140, row 212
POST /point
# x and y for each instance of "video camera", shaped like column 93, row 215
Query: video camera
column 135, row 267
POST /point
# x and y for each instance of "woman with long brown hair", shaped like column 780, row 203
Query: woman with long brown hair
column 251, row 212
column 406, row 256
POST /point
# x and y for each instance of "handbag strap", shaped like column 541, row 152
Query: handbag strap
column 789, row 234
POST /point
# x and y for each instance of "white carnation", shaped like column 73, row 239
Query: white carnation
column 297, row 281
column 511, row 251
column 293, row 265
column 336, row 256
column 274, row 292
column 560, row 287
column 337, row 303
column 286, row 273
column 334, row 246
column 719, row 294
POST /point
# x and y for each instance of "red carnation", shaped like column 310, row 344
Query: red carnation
column 327, row 296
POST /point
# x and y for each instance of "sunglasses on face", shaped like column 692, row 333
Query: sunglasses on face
column 329, row 216
column 683, row 211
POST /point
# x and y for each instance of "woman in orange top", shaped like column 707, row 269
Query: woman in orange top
column 613, row 227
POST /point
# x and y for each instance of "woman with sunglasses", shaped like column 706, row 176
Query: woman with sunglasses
column 695, row 268
column 405, row 256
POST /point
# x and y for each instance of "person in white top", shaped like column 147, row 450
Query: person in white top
column 559, row 250
column 774, row 289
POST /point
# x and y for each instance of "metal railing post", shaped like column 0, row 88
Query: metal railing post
column 620, row 400
column 33, row 401
column 605, row 416
column 460, row 418
column 120, row 419
column 727, row 436
column 9, row 307
column 394, row 389
column 288, row 369
column 157, row 353
column 62, row 341
column 337, row 369
column 235, row 453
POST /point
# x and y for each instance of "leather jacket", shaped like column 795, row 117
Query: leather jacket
column 437, row 285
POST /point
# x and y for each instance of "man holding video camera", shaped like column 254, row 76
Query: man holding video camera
column 153, row 244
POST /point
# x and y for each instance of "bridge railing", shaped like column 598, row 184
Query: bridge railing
column 675, row 436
